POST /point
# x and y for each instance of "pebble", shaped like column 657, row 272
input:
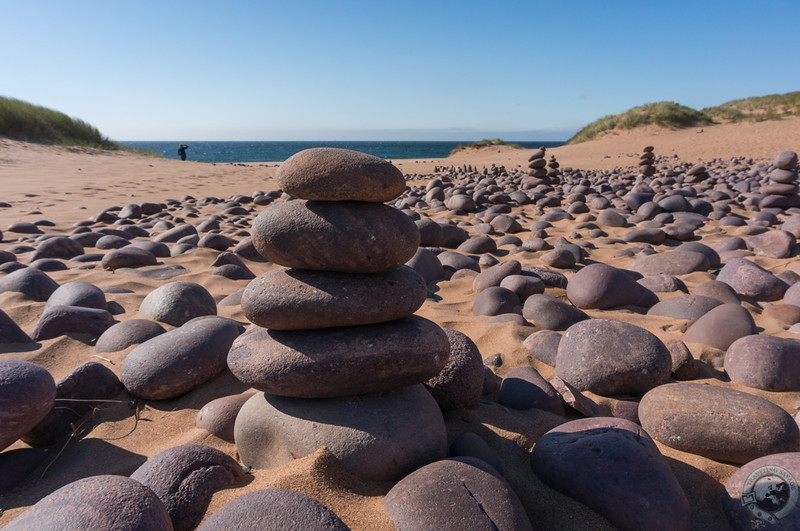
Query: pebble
column 379, row 437
column 60, row 320
column 717, row 422
column 459, row 385
column 765, row 362
column 31, row 282
column 551, row 313
column 601, row 286
column 496, row 300
column 97, row 502
column 218, row 416
column 427, row 265
column 273, row 509
column 340, row 361
column 298, row 299
column 751, row 280
column 721, row 326
column 524, row 388
column 175, row 362
column 10, row 332
column 330, row 174
column 671, row 263
column 542, row 345
column 178, row 302
column 185, row 477
column 27, row 394
column 462, row 493
column 612, row 357
column 129, row 256
column 127, row 333
column 77, row 293
column 612, row 466
column 689, row 307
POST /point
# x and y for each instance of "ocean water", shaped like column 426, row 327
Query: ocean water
column 222, row 152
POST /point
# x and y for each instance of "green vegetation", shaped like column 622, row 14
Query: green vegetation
column 663, row 113
column 483, row 144
column 757, row 109
column 669, row 114
column 23, row 121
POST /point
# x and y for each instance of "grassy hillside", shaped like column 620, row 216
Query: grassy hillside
column 23, row 121
column 758, row 109
column 663, row 113
column 483, row 144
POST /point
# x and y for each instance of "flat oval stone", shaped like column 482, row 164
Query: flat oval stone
column 341, row 361
column 60, row 320
column 690, row 307
column 751, row 280
column 773, row 244
column 344, row 236
column 178, row 302
column 612, row 466
column 176, row 233
column 131, row 332
column 765, row 362
column 494, row 275
column 551, row 313
column 721, row 326
column 27, row 394
column 380, row 437
column 299, row 299
column 612, row 357
column 331, row 174
column 274, row 509
column 716, row 422
column 173, row 363
column 97, row 502
column 57, row 247
column 185, row 477
column 460, row 493
column 459, row 385
column 763, row 494
column 601, row 286
column 671, row 263
column 218, row 416
column 129, row 256
column 662, row 283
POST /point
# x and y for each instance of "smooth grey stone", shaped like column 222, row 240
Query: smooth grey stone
column 27, row 394
column 178, row 302
column 131, row 332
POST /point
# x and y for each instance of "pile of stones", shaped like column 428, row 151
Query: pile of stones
column 334, row 347
column 537, row 167
column 647, row 162
column 782, row 187
column 553, row 171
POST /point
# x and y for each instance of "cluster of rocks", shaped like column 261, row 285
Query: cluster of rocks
column 647, row 162
column 781, row 190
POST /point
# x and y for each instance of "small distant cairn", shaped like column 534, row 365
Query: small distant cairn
column 647, row 162
column 537, row 167
column 782, row 187
column 553, row 171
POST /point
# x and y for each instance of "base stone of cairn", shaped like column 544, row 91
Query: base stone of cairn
column 782, row 187
column 334, row 347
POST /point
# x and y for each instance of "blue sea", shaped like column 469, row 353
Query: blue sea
column 280, row 151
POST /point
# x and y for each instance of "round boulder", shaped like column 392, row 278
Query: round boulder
column 459, row 384
column 27, row 394
column 131, row 332
column 178, row 302
column 765, row 362
column 601, row 286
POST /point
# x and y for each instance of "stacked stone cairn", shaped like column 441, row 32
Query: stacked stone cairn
column 553, row 171
column 782, row 187
column 537, row 167
column 334, row 347
column 647, row 162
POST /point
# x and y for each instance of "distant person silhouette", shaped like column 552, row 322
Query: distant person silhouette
column 182, row 151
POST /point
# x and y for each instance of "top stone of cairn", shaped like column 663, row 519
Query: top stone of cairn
column 332, row 174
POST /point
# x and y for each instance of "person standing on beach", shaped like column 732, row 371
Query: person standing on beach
column 182, row 151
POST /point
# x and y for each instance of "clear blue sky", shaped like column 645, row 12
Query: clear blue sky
column 361, row 70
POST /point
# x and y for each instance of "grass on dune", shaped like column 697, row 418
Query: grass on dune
column 663, row 113
column 757, row 109
column 20, row 120
column 486, row 142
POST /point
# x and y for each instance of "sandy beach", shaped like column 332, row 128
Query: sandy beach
column 66, row 186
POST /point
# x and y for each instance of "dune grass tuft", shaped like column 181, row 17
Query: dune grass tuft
column 757, row 109
column 486, row 142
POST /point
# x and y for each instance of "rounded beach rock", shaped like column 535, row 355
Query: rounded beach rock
column 751, row 280
column 716, row 422
column 78, row 293
column 671, row 263
column 173, row 363
column 97, row 502
column 341, row 361
column 218, row 416
column 274, row 509
column 185, row 477
column 30, row 281
column 459, row 385
column 131, row 332
column 129, row 256
column 524, row 388
column 763, row 494
column 721, row 326
column 459, row 493
column 27, row 394
column 344, row 236
column 551, row 313
column 496, row 300
column 612, row 466
column 612, row 357
column 380, row 437
column 297, row 299
column 178, row 302
column 765, row 362
column 690, row 307
column 331, row 174
column 601, row 286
